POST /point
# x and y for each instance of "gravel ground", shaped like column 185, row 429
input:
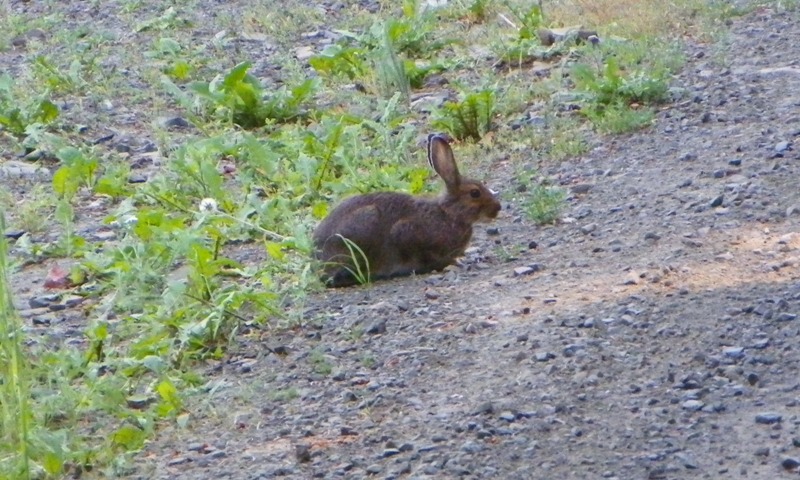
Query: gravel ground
column 651, row 335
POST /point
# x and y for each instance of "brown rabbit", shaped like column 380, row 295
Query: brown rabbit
column 400, row 234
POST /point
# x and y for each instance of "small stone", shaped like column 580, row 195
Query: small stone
column 786, row 317
column 768, row 418
column 378, row 327
column 543, row 356
column 137, row 178
column 687, row 461
column 492, row 231
column 718, row 173
column 390, row 452
column 735, row 162
column 581, row 188
column 632, row 278
column 173, row 122
column 431, row 295
column 781, row 147
column 733, row 352
column 652, row 236
column 14, row 234
column 349, row 396
column 717, row 201
column 471, row 447
column 589, row 228
column 178, row 461
column 302, row 451
column 15, row 169
column 532, row 245
column 793, row 210
column 507, row 416
column 138, row 402
column 762, row 452
column 520, row 271
column 692, row 405
column 790, row 463
column 374, row 469
column 304, row 53
column 523, row 337
column 43, row 301
column 485, row 408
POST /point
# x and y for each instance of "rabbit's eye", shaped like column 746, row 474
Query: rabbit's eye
column 474, row 193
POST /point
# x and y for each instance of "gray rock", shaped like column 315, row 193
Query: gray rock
column 390, row 452
column 785, row 317
column 692, row 405
column 589, row 228
column 43, row 301
column 768, row 418
column 762, row 452
column 173, row 122
column 543, row 356
column 781, row 147
column 378, row 327
column 717, row 201
column 520, row 271
column 507, row 416
column 15, row 169
column 790, row 463
column 471, row 447
column 733, row 352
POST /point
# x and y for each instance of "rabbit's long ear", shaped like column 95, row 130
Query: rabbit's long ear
column 440, row 156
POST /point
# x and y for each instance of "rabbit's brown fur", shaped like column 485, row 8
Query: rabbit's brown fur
column 401, row 234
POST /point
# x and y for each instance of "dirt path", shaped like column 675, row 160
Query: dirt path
column 656, row 336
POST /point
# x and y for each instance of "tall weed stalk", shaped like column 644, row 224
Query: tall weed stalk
column 13, row 383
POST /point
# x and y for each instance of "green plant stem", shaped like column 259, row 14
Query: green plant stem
column 14, row 395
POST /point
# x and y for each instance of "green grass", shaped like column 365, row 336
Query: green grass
column 267, row 154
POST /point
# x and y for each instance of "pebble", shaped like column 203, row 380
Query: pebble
column 471, row 447
column 589, row 228
column 768, row 418
column 785, row 317
column 762, row 452
column 302, row 451
column 390, row 452
column 543, row 356
column 520, row 271
column 790, row 463
column 14, row 234
column 378, row 327
column 733, row 352
column 507, row 416
column 43, row 301
column 717, row 201
column 692, row 405
column 15, row 169
column 781, row 147
column 173, row 122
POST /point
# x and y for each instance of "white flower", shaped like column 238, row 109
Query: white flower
column 208, row 205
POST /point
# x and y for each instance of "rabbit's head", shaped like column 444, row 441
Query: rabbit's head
column 466, row 199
